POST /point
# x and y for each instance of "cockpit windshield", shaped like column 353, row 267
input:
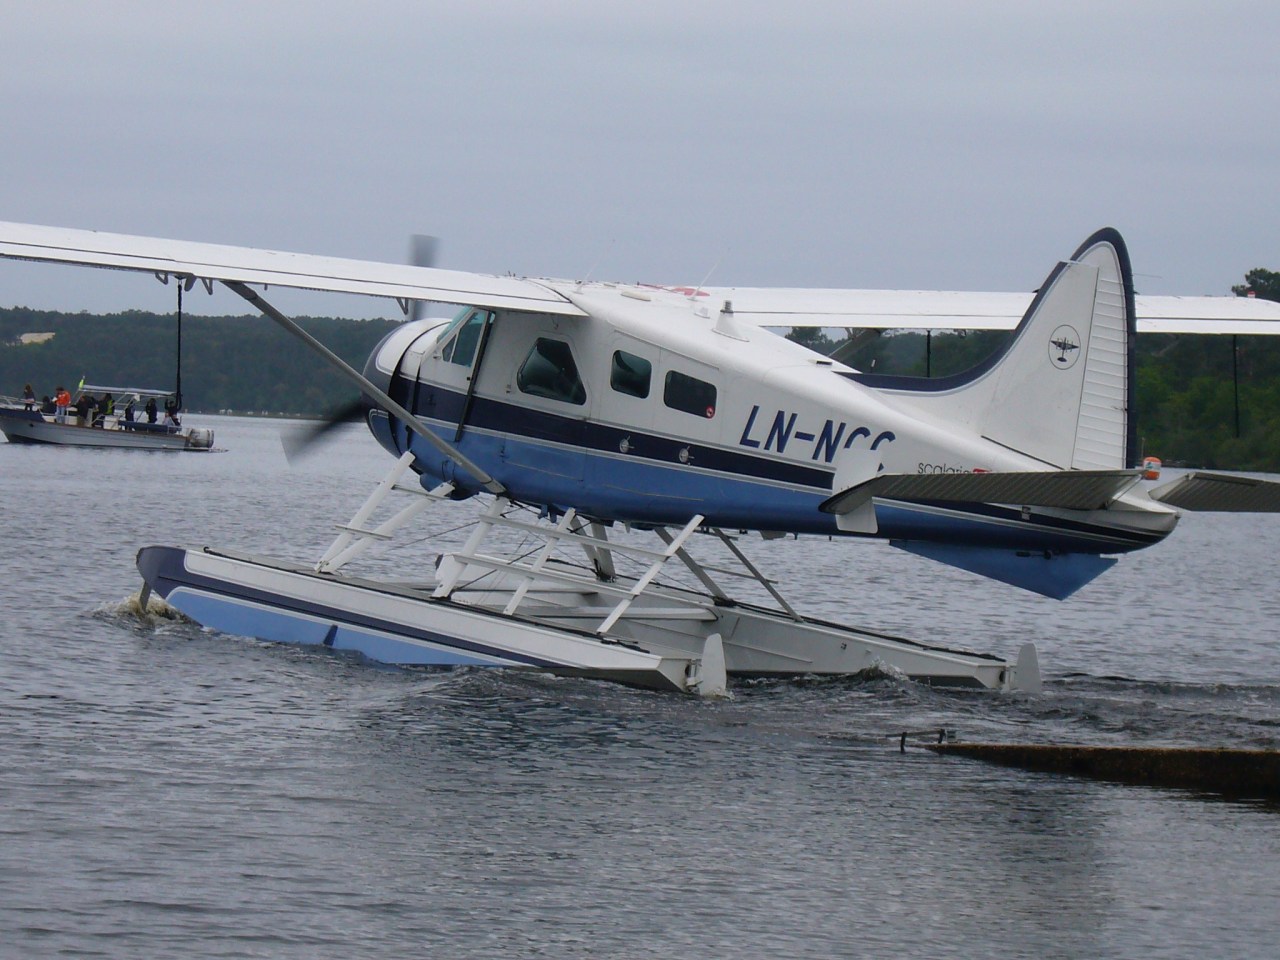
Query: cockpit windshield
column 462, row 336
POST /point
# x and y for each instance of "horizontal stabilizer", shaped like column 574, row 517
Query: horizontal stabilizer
column 1056, row 576
column 1220, row 492
column 1068, row 489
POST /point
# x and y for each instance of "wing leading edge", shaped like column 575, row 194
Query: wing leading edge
column 209, row 261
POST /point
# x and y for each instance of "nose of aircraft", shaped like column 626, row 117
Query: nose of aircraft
column 392, row 370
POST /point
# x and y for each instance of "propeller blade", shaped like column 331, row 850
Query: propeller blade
column 423, row 251
column 301, row 440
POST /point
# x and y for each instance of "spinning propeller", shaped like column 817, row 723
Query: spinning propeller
column 302, row 440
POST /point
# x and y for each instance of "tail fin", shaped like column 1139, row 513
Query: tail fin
column 1061, row 390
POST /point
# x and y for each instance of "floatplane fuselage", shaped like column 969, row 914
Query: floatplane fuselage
column 655, row 404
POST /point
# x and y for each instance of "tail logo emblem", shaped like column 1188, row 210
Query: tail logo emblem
column 1064, row 347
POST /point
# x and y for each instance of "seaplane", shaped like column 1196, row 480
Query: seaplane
column 613, row 422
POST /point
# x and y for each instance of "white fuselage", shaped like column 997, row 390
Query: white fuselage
column 708, row 417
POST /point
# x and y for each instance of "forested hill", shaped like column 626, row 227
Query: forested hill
column 244, row 364
column 1187, row 407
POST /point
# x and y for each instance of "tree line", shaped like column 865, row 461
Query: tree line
column 1203, row 401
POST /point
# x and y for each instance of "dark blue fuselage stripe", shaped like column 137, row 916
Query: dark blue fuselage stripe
column 503, row 417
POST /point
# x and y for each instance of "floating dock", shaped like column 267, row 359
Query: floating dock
column 1231, row 772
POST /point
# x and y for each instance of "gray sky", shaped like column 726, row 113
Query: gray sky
column 965, row 145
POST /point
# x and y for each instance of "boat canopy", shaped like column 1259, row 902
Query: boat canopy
column 125, row 391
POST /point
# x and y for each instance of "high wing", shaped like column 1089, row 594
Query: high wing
column 773, row 307
column 967, row 310
column 208, row 261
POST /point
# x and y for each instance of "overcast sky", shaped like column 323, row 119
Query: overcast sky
column 965, row 145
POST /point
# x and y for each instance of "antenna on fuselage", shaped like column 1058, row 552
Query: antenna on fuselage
column 727, row 325
column 607, row 247
column 697, row 291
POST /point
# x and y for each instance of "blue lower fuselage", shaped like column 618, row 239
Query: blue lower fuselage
column 615, row 473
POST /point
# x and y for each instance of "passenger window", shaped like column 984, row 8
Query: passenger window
column 630, row 374
column 462, row 348
column 549, row 371
column 689, row 395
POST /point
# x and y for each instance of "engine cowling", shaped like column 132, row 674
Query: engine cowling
column 393, row 368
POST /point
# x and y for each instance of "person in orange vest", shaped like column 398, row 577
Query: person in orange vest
column 62, row 400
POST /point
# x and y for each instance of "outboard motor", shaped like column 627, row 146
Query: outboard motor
column 200, row 438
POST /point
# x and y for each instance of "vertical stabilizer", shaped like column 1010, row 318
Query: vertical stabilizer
column 1061, row 389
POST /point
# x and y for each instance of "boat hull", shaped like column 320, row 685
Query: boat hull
column 25, row 426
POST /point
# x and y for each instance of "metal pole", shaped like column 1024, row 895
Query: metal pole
column 177, row 393
column 1235, row 381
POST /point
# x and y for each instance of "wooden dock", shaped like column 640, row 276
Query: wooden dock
column 1230, row 772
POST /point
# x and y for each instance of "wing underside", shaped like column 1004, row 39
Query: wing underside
column 216, row 262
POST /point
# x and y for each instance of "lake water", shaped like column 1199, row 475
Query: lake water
column 171, row 792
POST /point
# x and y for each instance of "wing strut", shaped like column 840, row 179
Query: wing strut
column 368, row 388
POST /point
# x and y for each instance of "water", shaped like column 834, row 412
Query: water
column 166, row 791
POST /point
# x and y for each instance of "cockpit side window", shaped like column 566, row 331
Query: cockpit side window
column 549, row 371
column 630, row 374
column 465, row 331
column 689, row 395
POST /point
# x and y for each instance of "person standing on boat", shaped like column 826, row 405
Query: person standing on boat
column 89, row 409
column 28, row 398
column 61, row 401
column 108, row 406
column 151, row 409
